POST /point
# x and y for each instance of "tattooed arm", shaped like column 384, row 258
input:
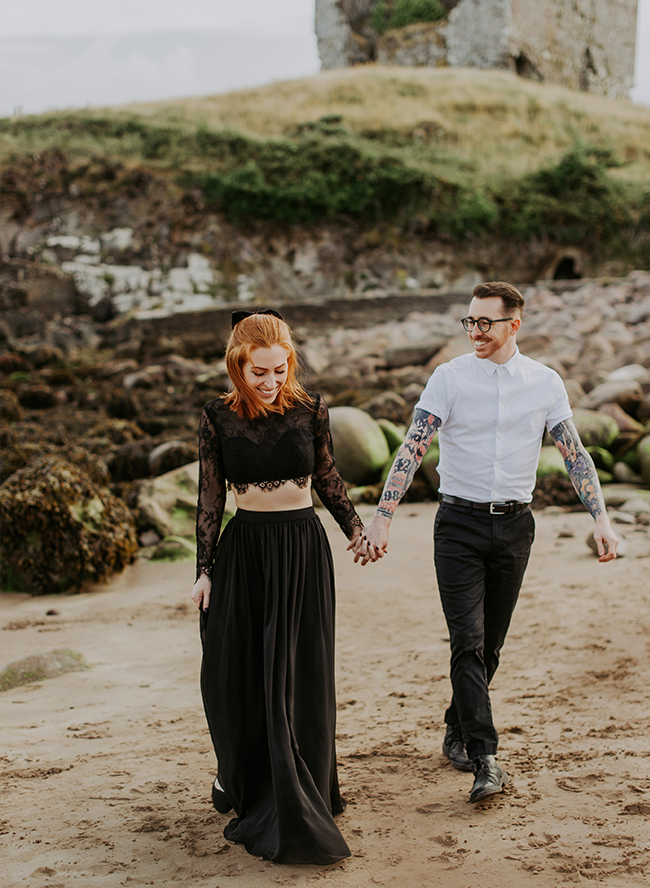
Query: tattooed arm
column 584, row 478
column 373, row 542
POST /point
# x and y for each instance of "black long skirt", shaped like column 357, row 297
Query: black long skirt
column 267, row 680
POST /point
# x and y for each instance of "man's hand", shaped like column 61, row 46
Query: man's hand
column 372, row 543
column 606, row 539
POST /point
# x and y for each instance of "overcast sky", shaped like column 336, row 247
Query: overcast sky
column 73, row 53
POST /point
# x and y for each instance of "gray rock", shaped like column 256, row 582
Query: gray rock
column 387, row 405
column 637, row 505
column 629, row 373
column 625, row 475
column 622, row 518
column 617, row 494
column 169, row 456
column 625, row 393
column 38, row 667
column 574, row 390
column 413, row 355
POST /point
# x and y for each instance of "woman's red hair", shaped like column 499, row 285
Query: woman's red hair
column 261, row 331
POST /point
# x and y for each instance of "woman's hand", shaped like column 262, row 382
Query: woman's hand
column 365, row 547
column 201, row 592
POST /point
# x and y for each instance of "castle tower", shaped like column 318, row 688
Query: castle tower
column 580, row 44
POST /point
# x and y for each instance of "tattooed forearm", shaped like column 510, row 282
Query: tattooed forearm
column 409, row 457
column 580, row 466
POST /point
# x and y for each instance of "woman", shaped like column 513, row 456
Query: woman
column 266, row 597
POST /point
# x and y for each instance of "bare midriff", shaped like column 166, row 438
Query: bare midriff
column 282, row 499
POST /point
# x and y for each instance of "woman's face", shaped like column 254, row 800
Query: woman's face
column 266, row 372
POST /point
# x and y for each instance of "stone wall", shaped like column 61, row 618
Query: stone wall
column 581, row 44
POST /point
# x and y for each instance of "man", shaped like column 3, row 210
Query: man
column 491, row 408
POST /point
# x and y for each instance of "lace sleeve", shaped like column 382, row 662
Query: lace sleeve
column 212, row 496
column 327, row 482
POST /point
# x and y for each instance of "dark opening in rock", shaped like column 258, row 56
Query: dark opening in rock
column 525, row 68
column 566, row 270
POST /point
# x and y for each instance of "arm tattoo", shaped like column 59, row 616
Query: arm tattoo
column 580, row 466
column 407, row 461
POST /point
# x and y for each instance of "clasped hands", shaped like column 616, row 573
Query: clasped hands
column 371, row 543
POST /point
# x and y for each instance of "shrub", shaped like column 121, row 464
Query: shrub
column 569, row 201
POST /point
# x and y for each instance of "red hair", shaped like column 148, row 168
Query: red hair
column 261, row 331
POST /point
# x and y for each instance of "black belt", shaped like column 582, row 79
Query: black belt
column 493, row 508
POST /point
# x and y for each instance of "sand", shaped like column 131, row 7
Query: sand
column 105, row 774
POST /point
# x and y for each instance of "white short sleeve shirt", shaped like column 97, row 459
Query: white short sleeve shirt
column 493, row 418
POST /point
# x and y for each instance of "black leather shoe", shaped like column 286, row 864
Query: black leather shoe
column 220, row 800
column 454, row 749
column 489, row 777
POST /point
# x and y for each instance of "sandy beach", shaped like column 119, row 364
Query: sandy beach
column 105, row 774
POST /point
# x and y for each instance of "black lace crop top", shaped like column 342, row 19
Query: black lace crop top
column 266, row 452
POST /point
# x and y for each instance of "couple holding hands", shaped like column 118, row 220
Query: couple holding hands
column 265, row 587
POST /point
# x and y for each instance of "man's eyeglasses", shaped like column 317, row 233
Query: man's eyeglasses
column 483, row 324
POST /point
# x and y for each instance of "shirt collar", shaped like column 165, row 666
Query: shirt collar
column 490, row 368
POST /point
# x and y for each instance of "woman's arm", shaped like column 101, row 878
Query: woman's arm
column 210, row 508
column 326, row 479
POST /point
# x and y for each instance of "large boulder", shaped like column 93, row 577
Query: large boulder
column 360, row 447
column 168, row 503
column 60, row 529
column 595, row 429
column 643, row 452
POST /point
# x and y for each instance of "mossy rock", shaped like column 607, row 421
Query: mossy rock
column 10, row 409
column 38, row 667
column 550, row 463
column 174, row 548
column 393, row 433
column 119, row 431
column 427, row 472
column 429, row 466
column 60, row 529
column 643, row 456
column 360, row 448
column 595, row 429
column 602, row 458
column 18, row 456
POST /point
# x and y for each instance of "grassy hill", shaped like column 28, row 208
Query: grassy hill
column 492, row 122
column 449, row 152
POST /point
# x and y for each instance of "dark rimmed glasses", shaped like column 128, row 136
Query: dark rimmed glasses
column 483, row 324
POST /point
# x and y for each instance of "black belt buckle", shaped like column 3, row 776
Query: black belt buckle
column 506, row 508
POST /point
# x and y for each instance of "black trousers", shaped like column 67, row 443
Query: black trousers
column 480, row 563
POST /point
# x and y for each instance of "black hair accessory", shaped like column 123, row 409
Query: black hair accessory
column 238, row 316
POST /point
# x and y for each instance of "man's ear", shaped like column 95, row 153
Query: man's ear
column 515, row 324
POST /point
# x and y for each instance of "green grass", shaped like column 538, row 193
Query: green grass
column 454, row 153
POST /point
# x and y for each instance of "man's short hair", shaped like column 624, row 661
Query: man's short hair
column 512, row 299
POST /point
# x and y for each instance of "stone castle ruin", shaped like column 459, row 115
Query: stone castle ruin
column 581, row 44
